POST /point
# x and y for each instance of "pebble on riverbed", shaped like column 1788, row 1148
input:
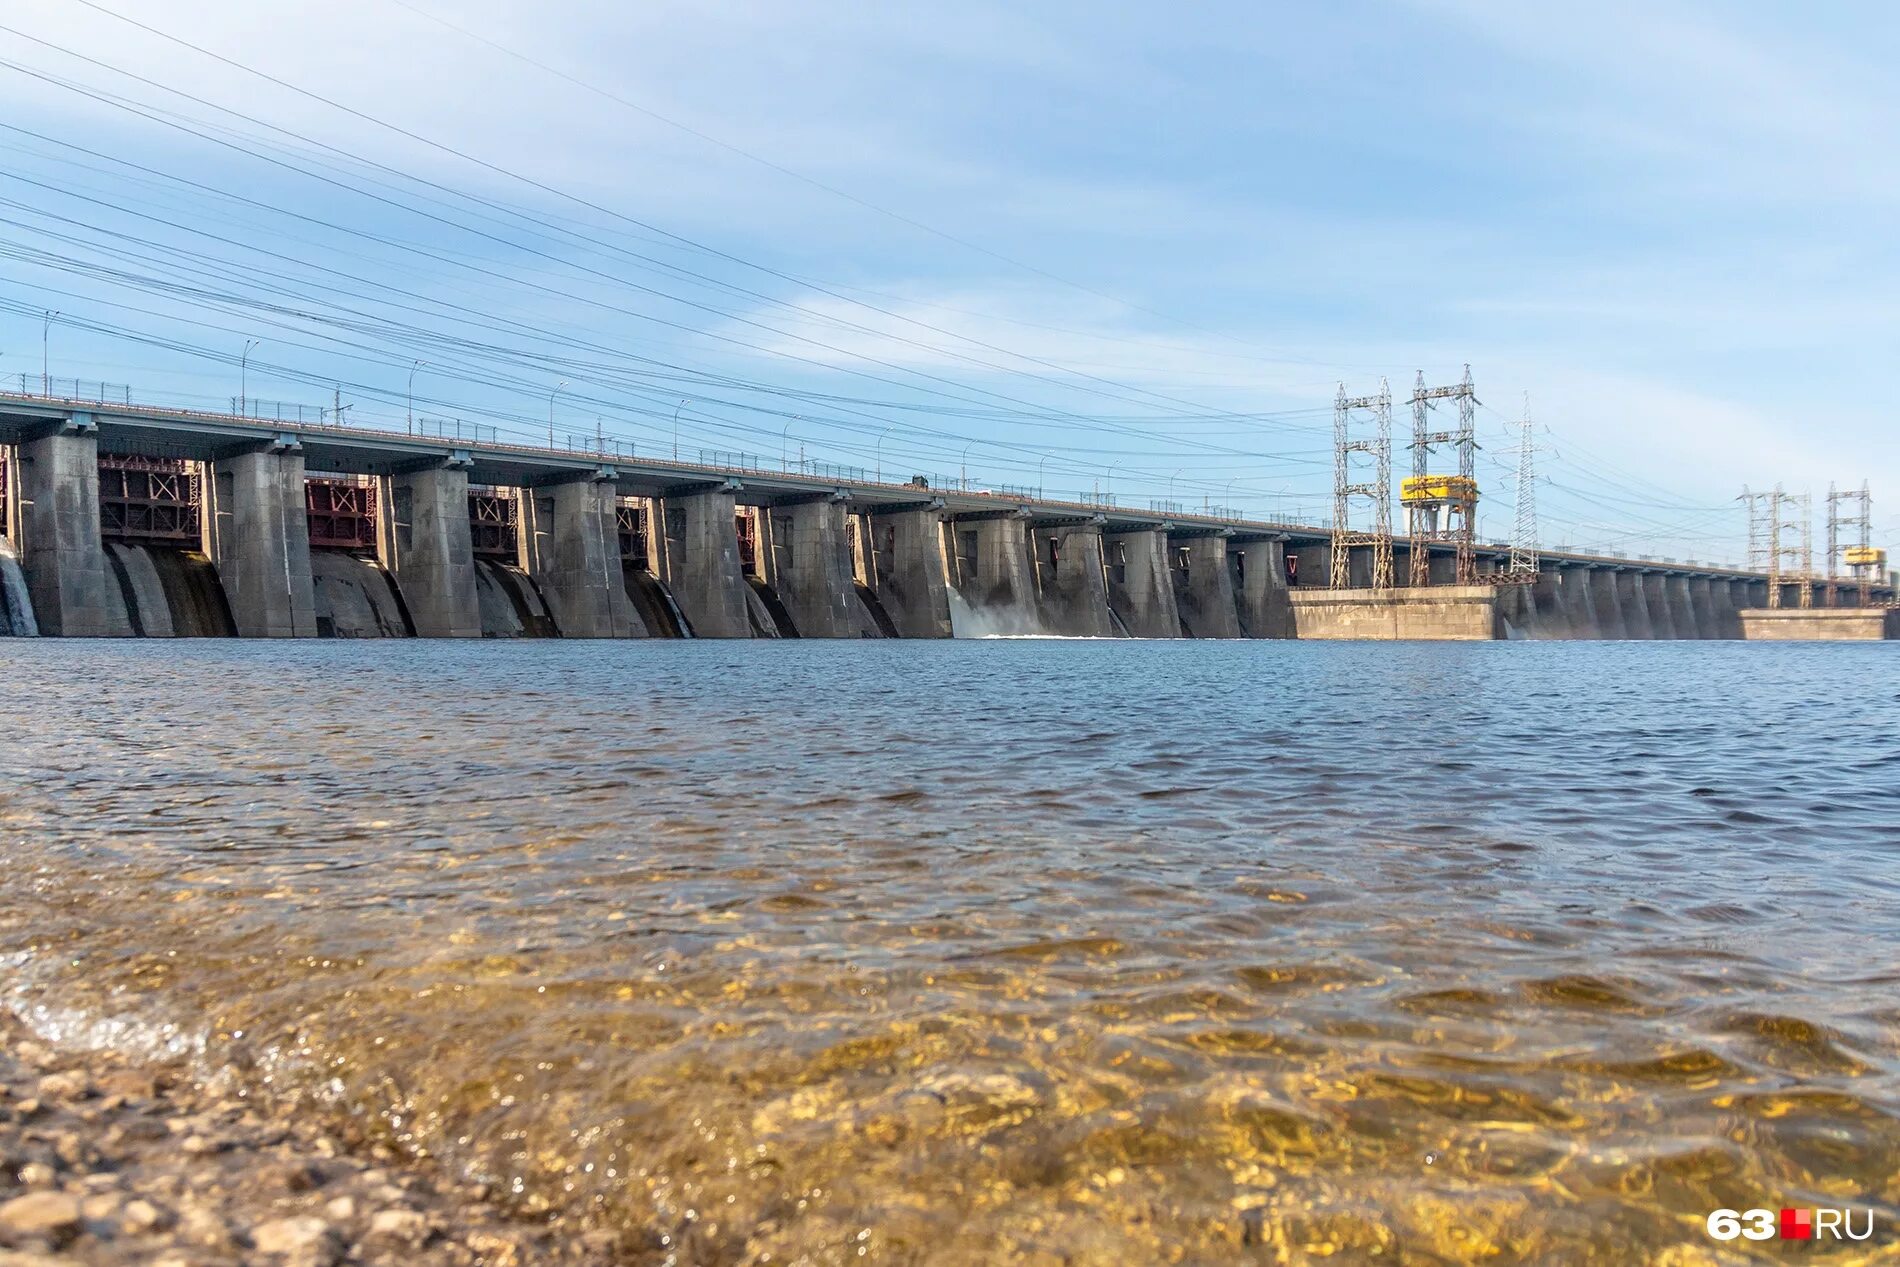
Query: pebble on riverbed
column 104, row 1161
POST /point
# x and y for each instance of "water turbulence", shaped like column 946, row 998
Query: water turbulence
column 16, row 605
column 1044, row 981
column 970, row 621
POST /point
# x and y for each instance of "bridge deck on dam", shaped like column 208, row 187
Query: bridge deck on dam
column 455, row 537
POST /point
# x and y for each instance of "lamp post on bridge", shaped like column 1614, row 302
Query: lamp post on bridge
column 963, row 468
column 785, row 443
column 551, row 395
column 412, row 394
column 880, row 452
column 46, row 340
column 1044, row 461
column 244, row 382
column 684, row 401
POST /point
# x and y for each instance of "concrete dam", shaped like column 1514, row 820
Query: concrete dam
column 121, row 520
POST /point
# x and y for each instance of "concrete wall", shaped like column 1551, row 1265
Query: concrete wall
column 1633, row 602
column 909, row 571
column 810, row 566
column 1682, row 610
column 1664, row 620
column 1260, row 590
column 1606, row 603
column 1461, row 613
column 1071, row 577
column 701, row 558
column 1311, row 563
column 570, row 546
column 56, row 528
column 1821, row 624
column 1141, row 584
column 258, row 537
column 423, row 538
column 1204, row 588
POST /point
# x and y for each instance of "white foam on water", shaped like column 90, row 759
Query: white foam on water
column 16, row 605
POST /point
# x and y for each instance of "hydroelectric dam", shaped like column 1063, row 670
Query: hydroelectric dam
column 125, row 520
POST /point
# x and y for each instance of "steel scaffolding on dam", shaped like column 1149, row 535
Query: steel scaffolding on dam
column 128, row 519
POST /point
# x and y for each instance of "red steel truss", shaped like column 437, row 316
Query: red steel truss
column 153, row 501
column 341, row 514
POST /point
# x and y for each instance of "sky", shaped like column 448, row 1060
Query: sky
column 1127, row 251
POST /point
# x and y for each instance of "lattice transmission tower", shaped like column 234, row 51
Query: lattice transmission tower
column 1790, row 514
column 1522, row 567
column 1862, row 560
column 1347, row 491
column 1756, row 504
column 1442, row 507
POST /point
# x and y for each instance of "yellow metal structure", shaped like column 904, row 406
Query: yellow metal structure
column 1864, row 556
column 1419, row 489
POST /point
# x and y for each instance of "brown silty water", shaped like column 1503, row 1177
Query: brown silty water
column 1002, row 952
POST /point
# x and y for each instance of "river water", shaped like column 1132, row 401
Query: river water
column 1008, row 951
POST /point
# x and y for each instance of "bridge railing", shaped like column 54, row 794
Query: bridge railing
column 606, row 446
column 278, row 410
column 83, row 391
column 458, row 429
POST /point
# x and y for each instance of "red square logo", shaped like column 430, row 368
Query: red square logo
column 1797, row 1225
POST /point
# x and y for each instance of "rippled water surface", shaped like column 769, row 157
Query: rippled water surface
column 1038, row 952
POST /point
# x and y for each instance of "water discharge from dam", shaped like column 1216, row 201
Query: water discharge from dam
column 1137, row 952
column 16, row 605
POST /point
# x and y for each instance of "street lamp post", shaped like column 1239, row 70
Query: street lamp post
column 684, row 401
column 880, row 453
column 46, row 340
column 785, row 443
column 1039, row 465
column 1171, row 480
column 244, row 382
column 963, row 468
column 412, row 394
column 551, row 395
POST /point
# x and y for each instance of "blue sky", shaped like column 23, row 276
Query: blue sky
column 1106, row 246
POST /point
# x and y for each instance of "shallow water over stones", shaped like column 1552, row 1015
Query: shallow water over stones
column 1008, row 951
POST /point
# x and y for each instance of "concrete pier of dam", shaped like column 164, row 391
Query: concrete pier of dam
column 125, row 520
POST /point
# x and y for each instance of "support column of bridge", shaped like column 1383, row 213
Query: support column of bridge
column 701, row 556
column 1141, row 584
column 423, row 540
column 811, row 566
column 258, row 534
column 1205, row 588
column 1001, row 589
column 1634, row 603
column 1540, row 610
column 1691, row 620
column 909, row 571
column 570, row 538
column 57, row 532
column 1726, row 620
column 1572, row 602
column 1606, row 604
column 1260, row 590
column 1073, row 581
column 1662, row 613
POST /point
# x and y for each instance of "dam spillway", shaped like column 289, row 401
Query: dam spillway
column 126, row 520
